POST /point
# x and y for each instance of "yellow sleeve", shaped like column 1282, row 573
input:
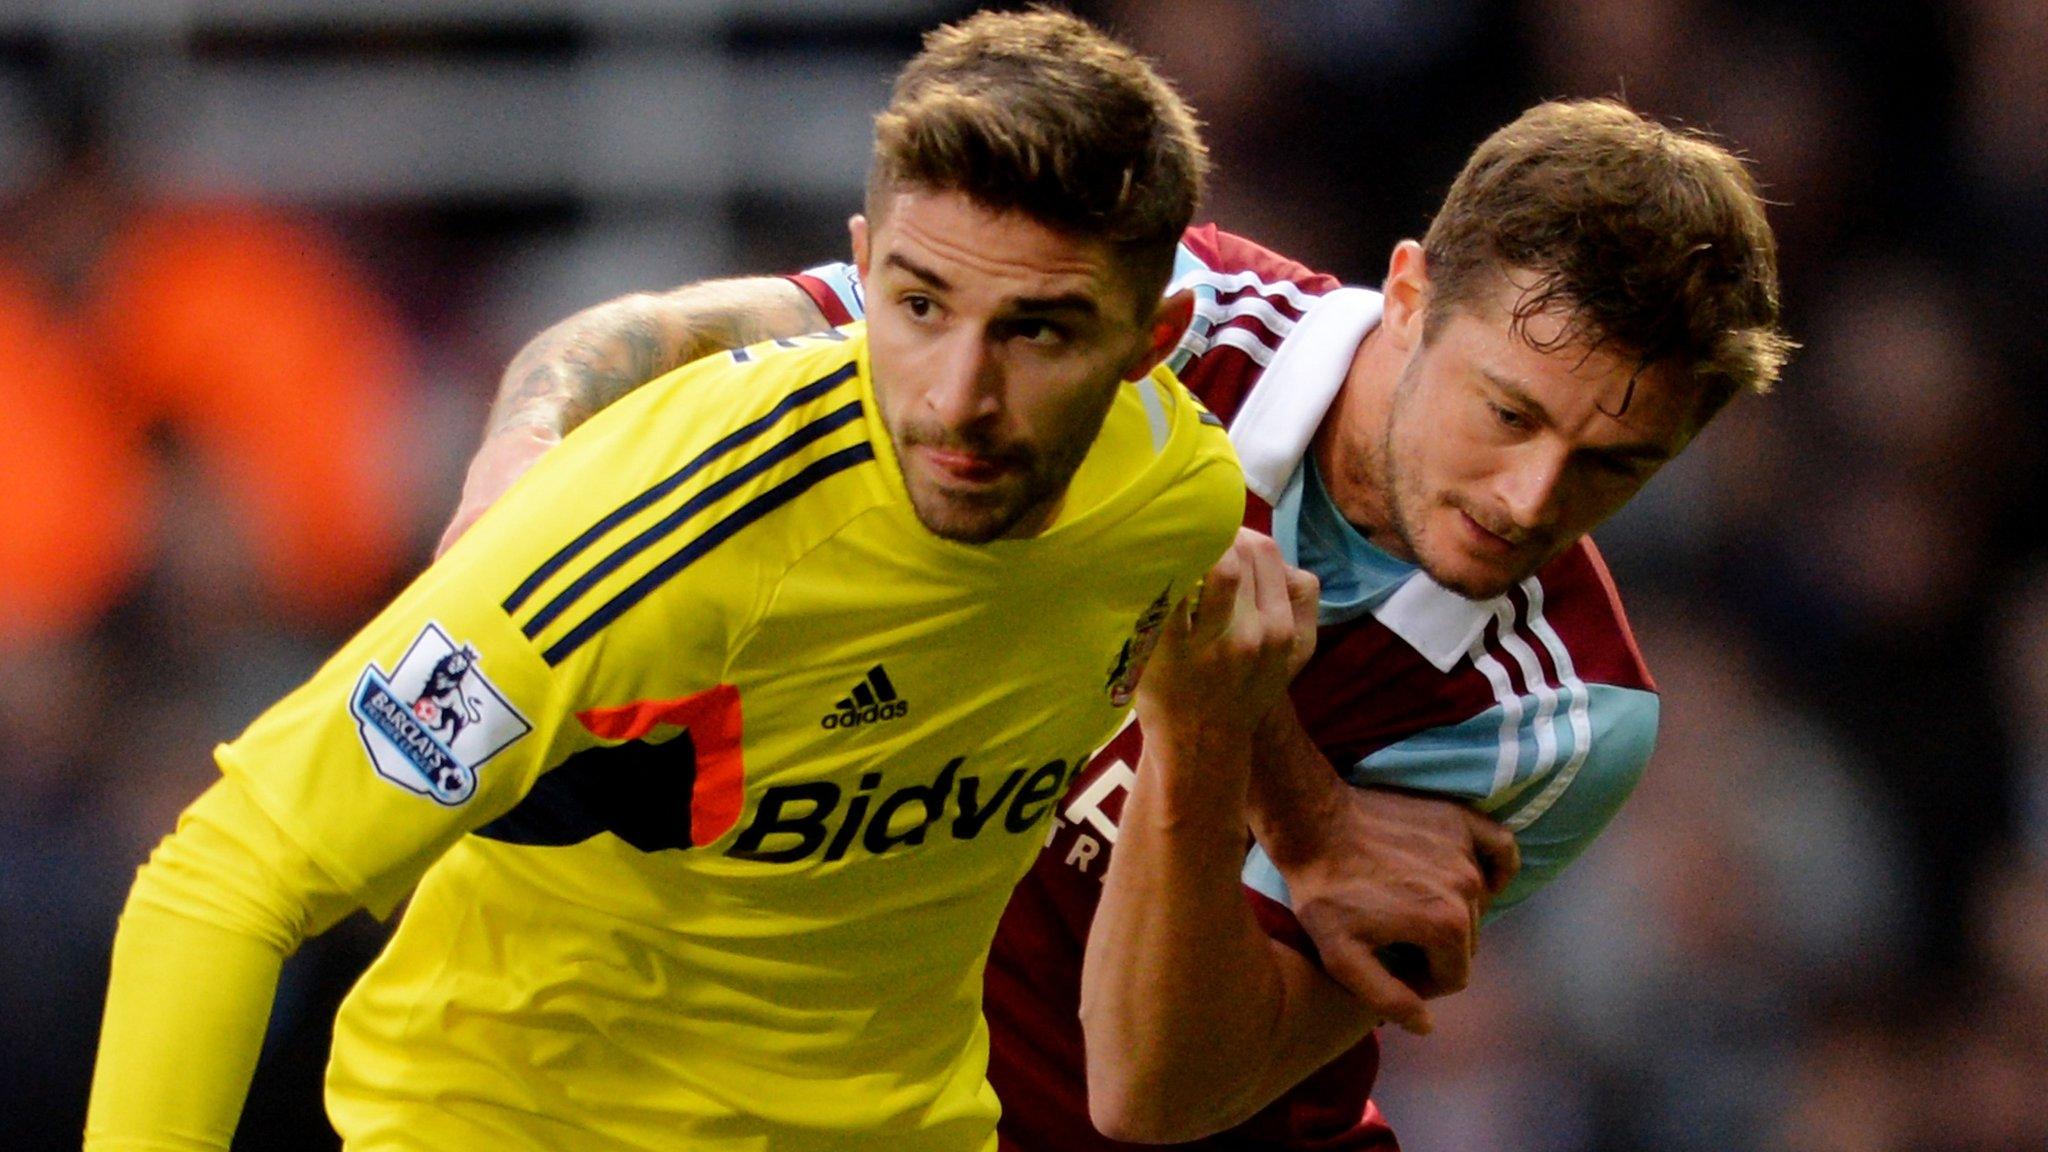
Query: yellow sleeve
column 443, row 712
column 434, row 720
column 209, row 922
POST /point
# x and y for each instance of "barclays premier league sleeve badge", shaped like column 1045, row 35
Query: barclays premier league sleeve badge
column 434, row 719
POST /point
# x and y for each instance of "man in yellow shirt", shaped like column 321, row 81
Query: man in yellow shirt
column 715, row 750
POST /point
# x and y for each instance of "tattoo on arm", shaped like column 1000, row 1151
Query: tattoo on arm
column 573, row 370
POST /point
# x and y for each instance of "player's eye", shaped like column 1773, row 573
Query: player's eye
column 1508, row 418
column 919, row 306
column 1043, row 333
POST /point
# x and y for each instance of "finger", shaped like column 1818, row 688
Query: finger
column 1265, row 618
column 1494, row 847
column 1180, row 620
column 1304, row 598
column 1215, row 602
column 1303, row 592
column 1406, row 963
column 1446, row 962
column 1229, row 600
column 1249, row 615
column 1274, row 604
column 1368, row 980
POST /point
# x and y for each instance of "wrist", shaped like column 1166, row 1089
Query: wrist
column 1290, row 835
column 1278, row 728
column 1295, row 793
column 1198, row 767
column 1192, row 748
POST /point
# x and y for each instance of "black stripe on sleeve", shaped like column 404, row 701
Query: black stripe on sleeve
column 811, row 475
column 713, row 492
column 742, row 435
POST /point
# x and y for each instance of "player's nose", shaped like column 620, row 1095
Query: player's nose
column 965, row 382
column 1531, row 487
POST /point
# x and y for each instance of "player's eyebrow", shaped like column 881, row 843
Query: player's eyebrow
column 1077, row 302
column 1065, row 302
column 1517, row 394
column 931, row 278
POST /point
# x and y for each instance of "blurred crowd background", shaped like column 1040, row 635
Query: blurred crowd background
column 262, row 263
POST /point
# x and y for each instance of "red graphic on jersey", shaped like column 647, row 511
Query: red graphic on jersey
column 712, row 718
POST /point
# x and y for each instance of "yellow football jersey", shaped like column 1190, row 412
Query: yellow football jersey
column 714, row 769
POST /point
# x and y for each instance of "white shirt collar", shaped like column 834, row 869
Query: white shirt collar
column 1272, row 431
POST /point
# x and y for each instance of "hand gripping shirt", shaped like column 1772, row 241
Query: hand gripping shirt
column 715, row 768
column 1535, row 706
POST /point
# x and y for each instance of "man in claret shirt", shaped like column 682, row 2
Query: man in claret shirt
column 1594, row 289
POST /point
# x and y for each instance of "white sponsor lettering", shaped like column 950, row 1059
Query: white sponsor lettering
column 1086, row 807
column 1085, row 849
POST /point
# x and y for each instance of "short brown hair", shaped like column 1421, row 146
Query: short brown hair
column 1652, row 240
column 1039, row 112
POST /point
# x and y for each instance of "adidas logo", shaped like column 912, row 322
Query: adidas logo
column 872, row 700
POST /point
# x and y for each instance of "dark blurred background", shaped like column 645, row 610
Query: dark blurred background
column 262, row 263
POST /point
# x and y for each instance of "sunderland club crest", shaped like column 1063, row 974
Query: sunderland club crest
column 1130, row 661
column 434, row 719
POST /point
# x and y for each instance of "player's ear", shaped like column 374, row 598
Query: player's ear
column 857, row 231
column 1407, row 295
column 1163, row 333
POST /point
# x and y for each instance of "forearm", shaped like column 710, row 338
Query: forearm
column 576, row 368
column 1294, row 789
column 186, row 1011
column 206, row 929
column 1388, row 884
column 1194, row 1019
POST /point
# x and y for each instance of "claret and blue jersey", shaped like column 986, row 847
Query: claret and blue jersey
column 1535, row 706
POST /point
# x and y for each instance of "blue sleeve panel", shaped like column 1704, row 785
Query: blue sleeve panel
column 1552, row 784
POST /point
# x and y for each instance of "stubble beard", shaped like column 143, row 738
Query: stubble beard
column 1408, row 503
column 1033, row 481
column 1416, row 540
column 1036, row 476
column 1401, row 502
column 1391, row 478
